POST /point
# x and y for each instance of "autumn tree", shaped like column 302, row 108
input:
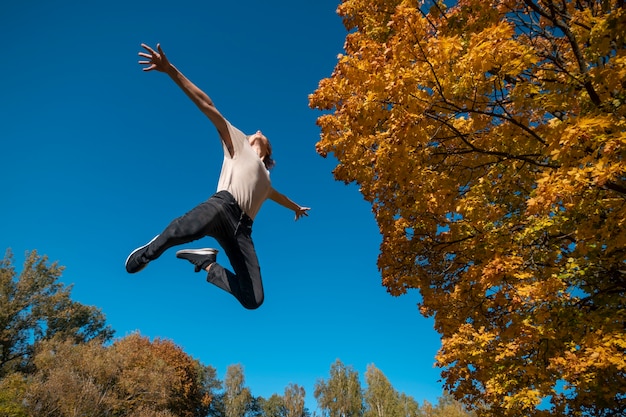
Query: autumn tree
column 291, row 404
column 381, row 399
column 71, row 380
column 446, row 406
column 294, row 401
column 159, row 372
column 274, row 406
column 34, row 307
column 409, row 407
column 341, row 395
column 489, row 138
column 237, row 396
column 134, row 377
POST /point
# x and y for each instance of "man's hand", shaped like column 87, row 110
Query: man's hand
column 302, row 211
column 157, row 60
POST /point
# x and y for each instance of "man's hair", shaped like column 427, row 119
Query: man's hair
column 267, row 160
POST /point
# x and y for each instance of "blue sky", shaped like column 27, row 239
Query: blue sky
column 98, row 156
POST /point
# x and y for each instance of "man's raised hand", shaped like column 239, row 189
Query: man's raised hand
column 156, row 60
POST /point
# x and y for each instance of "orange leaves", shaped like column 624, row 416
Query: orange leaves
column 491, row 143
column 588, row 370
column 495, row 50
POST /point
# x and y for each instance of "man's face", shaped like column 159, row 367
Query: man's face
column 259, row 143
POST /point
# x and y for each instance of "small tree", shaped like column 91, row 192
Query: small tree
column 34, row 307
column 294, row 401
column 237, row 397
column 341, row 395
column 381, row 399
column 274, row 406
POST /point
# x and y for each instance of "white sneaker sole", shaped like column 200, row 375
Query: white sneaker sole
column 204, row 251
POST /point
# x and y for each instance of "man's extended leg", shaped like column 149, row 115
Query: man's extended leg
column 195, row 224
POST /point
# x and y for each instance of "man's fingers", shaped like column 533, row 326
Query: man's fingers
column 153, row 57
column 303, row 211
column 147, row 48
column 151, row 65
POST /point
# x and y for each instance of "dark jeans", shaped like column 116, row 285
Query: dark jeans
column 221, row 218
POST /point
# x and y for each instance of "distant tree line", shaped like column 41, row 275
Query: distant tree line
column 58, row 358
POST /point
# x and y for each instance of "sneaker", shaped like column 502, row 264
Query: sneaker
column 136, row 261
column 201, row 258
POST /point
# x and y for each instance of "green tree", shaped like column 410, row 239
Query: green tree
column 291, row 404
column 36, row 307
column 341, row 395
column 274, row 406
column 12, row 389
column 490, row 139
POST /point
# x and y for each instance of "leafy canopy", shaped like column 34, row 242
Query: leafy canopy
column 489, row 138
column 35, row 307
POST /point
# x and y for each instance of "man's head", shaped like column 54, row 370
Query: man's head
column 262, row 147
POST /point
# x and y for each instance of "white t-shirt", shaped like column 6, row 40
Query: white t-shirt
column 244, row 175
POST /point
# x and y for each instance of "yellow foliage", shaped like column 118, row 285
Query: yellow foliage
column 490, row 138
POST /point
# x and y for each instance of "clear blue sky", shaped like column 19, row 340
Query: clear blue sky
column 97, row 157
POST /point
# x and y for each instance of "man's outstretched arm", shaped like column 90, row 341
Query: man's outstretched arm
column 285, row 201
column 157, row 61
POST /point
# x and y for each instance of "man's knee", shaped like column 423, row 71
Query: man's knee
column 253, row 303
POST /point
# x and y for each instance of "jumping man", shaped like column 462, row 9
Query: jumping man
column 244, row 184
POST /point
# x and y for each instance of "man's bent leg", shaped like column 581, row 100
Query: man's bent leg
column 245, row 284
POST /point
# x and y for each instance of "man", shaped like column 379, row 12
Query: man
column 227, row 216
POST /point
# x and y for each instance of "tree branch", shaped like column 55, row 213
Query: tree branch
column 552, row 16
column 476, row 149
